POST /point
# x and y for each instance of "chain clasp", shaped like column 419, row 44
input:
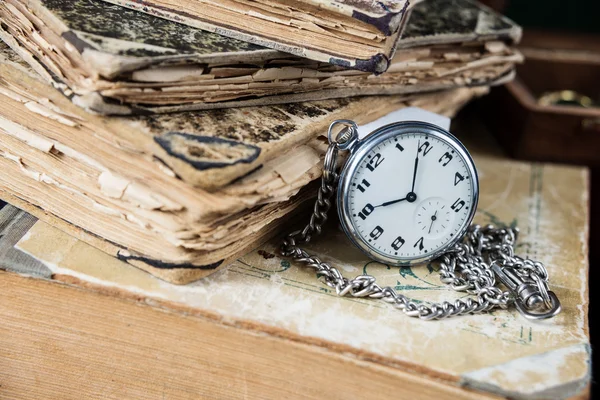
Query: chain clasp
column 532, row 298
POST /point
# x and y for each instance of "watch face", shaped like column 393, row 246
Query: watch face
column 407, row 193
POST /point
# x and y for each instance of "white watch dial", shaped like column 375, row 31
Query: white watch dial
column 410, row 195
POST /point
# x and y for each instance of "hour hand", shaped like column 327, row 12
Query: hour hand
column 388, row 203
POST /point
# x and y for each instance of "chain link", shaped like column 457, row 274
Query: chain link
column 471, row 266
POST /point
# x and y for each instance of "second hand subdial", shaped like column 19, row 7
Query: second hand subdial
column 433, row 218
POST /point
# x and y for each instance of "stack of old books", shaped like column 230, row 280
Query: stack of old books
column 177, row 135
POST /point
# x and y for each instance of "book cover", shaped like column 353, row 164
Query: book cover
column 354, row 34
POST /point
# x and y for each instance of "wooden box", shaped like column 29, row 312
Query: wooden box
column 559, row 133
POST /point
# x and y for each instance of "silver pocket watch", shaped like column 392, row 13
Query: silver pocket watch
column 406, row 195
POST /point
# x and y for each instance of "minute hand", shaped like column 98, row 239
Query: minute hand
column 415, row 172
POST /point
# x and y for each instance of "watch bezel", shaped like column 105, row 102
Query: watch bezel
column 360, row 150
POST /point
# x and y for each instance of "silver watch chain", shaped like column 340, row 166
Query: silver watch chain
column 471, row 265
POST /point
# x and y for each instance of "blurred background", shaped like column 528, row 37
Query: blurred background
column 576, row 16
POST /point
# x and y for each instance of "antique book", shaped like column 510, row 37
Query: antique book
column 179, row 195
column 358, row 34
column 267, row 328
column 112, row 60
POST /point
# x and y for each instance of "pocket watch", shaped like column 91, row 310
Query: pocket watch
column 406, row 195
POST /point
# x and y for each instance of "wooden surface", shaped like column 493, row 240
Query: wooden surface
column 112, row 348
